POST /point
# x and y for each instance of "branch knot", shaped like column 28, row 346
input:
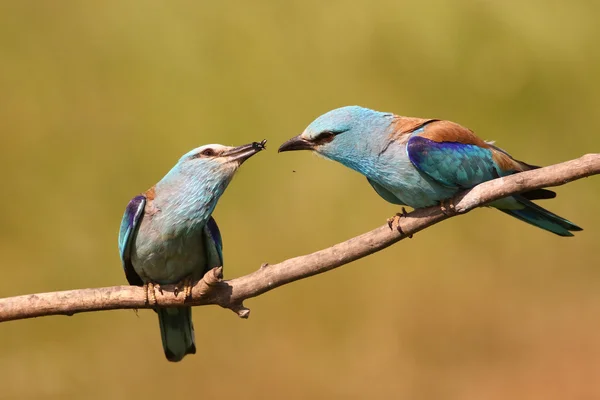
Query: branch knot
column 213, row 277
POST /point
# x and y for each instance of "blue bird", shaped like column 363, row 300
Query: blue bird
column 421, row 162
column 168, row 236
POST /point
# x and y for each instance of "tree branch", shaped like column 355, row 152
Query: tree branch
column 211, row 289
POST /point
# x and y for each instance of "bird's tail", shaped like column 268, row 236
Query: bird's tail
column 177, row 332
column 535, row 215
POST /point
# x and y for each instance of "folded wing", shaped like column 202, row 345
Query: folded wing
column 453, row 156
column 129, row 226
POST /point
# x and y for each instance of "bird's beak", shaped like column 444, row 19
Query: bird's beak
column 296, row 143
column 244, row 152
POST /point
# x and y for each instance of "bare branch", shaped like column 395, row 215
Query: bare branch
column 231, row 294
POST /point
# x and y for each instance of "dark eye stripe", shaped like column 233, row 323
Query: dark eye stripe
column 203, row 153
column 326, row 136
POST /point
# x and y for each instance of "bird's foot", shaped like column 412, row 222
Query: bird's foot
column 395, row 220
column 447, row 207
column 186, row 285
column 150, row 293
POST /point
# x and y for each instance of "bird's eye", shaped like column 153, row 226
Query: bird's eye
column 208, row 152
column 325, row 137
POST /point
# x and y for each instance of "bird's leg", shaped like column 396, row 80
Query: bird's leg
column 450, row 209
column 391, row 220
column 186, row 284
column 396, row 219
column 150, row 294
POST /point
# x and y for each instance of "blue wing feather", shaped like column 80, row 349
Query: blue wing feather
column 129, row 225
column 452, row 164
column 214, row 244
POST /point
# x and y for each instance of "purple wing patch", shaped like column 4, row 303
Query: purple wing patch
column 215, row 234
column 133, row 207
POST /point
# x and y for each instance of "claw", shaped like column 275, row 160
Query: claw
column 399, row 229
column 186, row 286
column 396, row 219
column 402, row 232
column 390, row 222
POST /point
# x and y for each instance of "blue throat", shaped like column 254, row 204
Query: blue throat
column 189, row 202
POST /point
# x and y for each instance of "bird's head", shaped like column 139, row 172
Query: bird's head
column 340, row 133
column 191, row 189
column 217, row 160
column 207, row 170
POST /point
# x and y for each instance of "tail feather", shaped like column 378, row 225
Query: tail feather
column 540, row 217
column 177, row 332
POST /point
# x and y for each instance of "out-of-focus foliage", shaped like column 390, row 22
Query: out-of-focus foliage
column 99, row 99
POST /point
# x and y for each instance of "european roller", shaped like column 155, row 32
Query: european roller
column 168, row 235
column 421, row 162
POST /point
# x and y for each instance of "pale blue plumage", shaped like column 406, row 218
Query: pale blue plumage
column 167, row 233
column 420, row 162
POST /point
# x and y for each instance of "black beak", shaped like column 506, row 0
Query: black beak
column 244, row 152
column 296, row 143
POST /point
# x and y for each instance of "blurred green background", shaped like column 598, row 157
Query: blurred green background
column 99, row 99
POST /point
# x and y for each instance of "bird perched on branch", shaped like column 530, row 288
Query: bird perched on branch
column 422, row 162
column 168, row 236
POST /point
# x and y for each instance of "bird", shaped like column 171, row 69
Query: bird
column 168, row 234
column 421, row 162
